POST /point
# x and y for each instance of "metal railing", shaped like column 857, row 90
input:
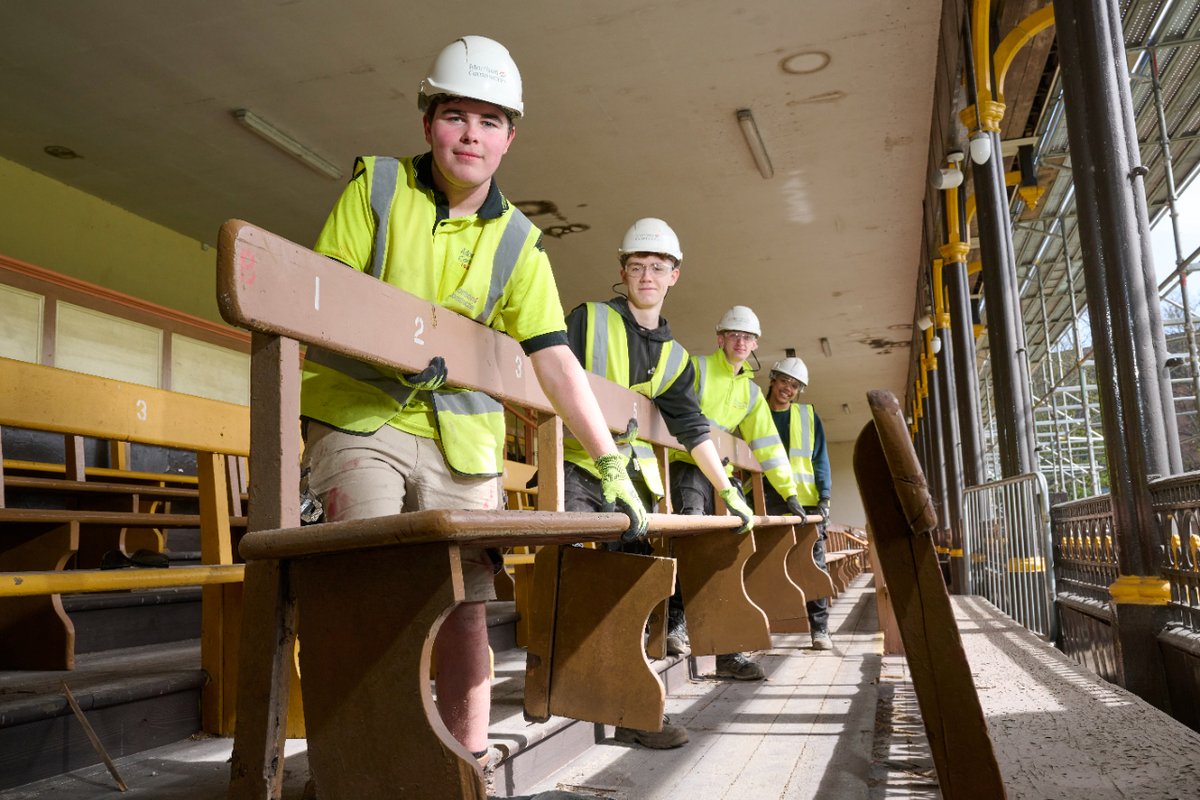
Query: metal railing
column 1177, row 511
column 1008, row 549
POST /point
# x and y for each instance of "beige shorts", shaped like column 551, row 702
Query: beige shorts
column 390, row 471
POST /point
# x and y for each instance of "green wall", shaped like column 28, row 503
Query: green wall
column 51, row 225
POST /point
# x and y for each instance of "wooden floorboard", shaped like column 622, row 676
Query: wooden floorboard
column 807, row 731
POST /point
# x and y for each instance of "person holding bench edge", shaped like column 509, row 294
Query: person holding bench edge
column 437, row 226
column 732, row 402
column 800, row 427
column 627, row 341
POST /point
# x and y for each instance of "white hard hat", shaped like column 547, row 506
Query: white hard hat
column 739, row 318
column 474, row 67
column 651, row 235
column 793, row 368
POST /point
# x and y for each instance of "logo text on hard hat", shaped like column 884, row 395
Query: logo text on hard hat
column 484, row 71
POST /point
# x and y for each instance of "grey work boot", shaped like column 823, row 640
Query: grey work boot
column 669, row 737
column 821, row 640
column 677, row 641
column 738, row 667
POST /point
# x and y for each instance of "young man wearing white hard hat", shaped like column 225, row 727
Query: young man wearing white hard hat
column 627, row 341
column 731, row 400
column 437, row 226
column 801, row 430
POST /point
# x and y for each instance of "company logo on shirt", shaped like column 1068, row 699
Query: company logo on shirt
column 464, row 257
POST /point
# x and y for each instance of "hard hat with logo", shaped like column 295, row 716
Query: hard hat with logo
column 793, row 368
column 474, row 67
column 651, row 235
column 739, row 318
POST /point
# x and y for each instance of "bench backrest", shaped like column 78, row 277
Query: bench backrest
column 66, row 402
column 287, row 294
column 901, row 519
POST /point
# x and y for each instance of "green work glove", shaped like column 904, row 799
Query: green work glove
column 794, row 507
column 823, row 507
column 431, row 378
column 619, row 495
column 737, row 504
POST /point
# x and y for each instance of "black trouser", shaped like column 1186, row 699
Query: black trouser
column 818, row 610
column 582, row 492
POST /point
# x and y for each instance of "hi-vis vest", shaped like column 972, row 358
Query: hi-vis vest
column 802, row 429
column 735, row 404
column 607, row 355
column 357, row 397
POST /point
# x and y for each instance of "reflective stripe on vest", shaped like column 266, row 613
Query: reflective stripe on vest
column 803, row 426
column 470, row 424
column 606, row 335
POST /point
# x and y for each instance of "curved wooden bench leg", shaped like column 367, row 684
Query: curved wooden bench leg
column 599, row 667
column 814, row 581
column 721, row 617
column 367, row 622
column 768, row 582
column 35, row 632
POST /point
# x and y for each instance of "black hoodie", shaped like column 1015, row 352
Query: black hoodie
column 678, row 405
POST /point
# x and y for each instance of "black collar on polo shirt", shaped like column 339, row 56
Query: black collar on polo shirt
column 493, row 206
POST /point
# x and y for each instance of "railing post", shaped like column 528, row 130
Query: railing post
column 1127, row 329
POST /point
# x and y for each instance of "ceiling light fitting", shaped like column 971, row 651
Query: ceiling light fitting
column 754, row 141
column 287, row 144
column 826, row 348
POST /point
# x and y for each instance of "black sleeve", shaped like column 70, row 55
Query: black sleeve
column 681, row 410
column 531, row 346
column 577, row 331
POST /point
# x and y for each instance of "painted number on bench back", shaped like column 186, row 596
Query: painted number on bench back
column 420, row 323
column 142, row 410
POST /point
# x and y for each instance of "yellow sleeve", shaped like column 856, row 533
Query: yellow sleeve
column 531, row 304
column 349, row 232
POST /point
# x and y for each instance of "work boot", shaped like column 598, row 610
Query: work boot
column 738, row 667
column 821, row 640
column 489, row 760
column 677, row 641
column 670, row 736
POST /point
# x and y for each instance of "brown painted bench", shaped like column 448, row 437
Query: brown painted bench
column 589, row 606
column 1006, row 714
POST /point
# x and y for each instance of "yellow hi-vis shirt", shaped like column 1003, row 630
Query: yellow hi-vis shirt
column 392, row 223
column 734, row 403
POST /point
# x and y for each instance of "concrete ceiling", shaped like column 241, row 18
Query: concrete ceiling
column 630, row 112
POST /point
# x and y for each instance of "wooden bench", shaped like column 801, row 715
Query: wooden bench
column 1006, row 714
column 35, row 632
column 363, row 682
column 845, row 555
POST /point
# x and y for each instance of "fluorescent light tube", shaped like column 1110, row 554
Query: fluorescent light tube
column 754, row 141
column 287, row 144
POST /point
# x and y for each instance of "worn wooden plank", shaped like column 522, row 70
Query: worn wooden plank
column 266, row 283
column 812, row 580
column 721, row 617
column 85, row 405
column 359, row 710
column 600, row 667
column 768, row 583
column 899, row 512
